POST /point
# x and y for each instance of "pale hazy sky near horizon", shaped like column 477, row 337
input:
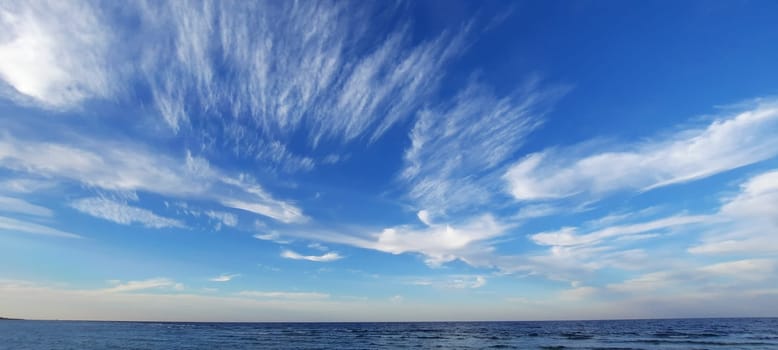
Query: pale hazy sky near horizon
column 386, row 161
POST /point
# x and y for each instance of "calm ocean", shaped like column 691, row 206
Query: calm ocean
column 746, row 333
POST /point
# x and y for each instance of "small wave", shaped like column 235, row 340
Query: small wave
column 697, row 342
column 577, row 336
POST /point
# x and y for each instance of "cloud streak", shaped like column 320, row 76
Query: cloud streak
column 327, row 257
column 153, row 283
column 124, row 214
column 730, row 142
column 14, row 225
column 128, row 168
column 224, row 277
column 568, row 236
column 16, row 205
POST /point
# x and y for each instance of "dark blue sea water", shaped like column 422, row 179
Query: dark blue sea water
column 753, row 333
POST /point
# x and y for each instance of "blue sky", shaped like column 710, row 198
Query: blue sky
column 434, row 160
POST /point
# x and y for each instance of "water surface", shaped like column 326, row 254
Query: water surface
column 746, row 333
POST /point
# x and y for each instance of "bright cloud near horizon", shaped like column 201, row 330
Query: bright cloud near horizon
column 354, row 161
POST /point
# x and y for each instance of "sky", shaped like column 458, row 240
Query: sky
column 388, row 161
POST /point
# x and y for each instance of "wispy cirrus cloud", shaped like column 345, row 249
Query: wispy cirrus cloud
column 326, row 257
column 732, row 141
column 569, row 236
column 222, row 218
column 574, row 253
column 122, row 167
column 122, row 213
column 114, row 167
column 17, row 205
column 16, row 225
column 21, row 186
column 310, row 68
column 453, row 282
column 224, row 277
column 152, row 283
column 458, row 151
column 284, row 212
column 272, row 236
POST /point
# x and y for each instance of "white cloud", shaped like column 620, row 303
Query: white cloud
column 438, row 243
column 54, row 52
column 126, row 168
column 284, row 212
column 121, row 213
column 758, row 199
column 21, row 185
column 224, row 277
column 536, row 211
column 327, row 257
column 14, row 225
column 424, row 217
column 277, row 153
column 733, row 141
column 471, row 282
column 272, row 236
column 608, row 242
column 108, row 166
column 744, row 226
column 453, row 282
column 568, row 236
column 318, row 246
column 333, row 159
column 153, row 283
column 458, row 150
column 746, row 241
column 16, row 205
column 750, row 220
column 283, row 295
column 228, row 219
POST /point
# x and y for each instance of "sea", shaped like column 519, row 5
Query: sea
column 729, row 333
